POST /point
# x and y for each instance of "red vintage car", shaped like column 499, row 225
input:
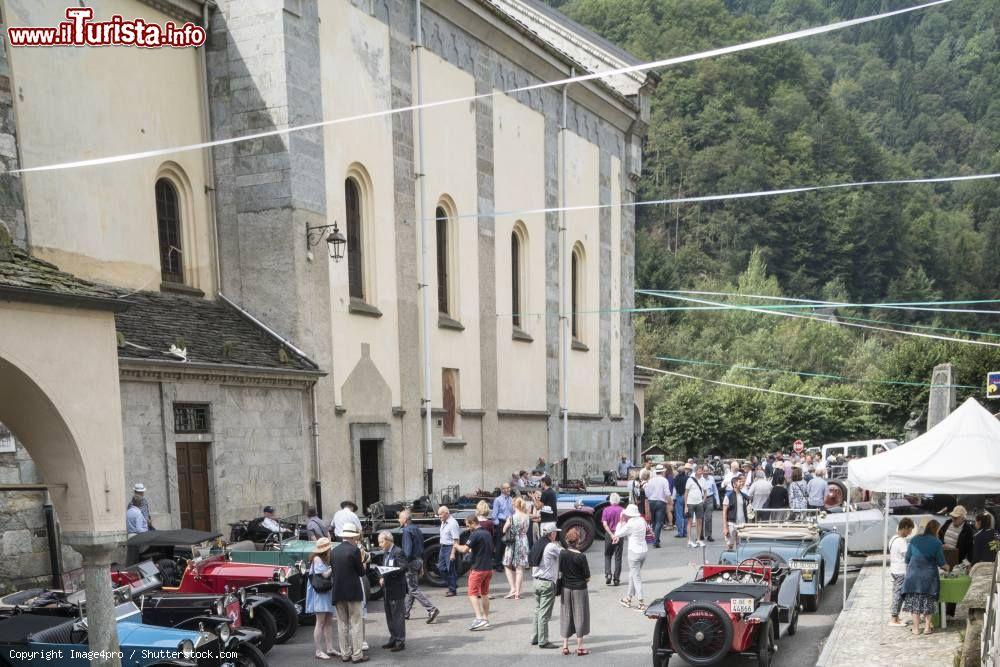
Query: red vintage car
column 727, row 609
column 174, row 552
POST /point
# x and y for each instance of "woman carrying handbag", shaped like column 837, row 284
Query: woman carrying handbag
column 319, row 598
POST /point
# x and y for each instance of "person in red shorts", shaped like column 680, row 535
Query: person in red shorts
column 480, row 544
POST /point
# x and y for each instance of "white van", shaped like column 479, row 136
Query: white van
column 856, row 449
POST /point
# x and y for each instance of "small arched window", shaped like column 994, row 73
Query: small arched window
column 355, row 240
column 444, row 286
column 168, row 223
column 516, row 276
column 577, row 294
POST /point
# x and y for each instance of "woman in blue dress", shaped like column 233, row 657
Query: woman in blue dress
column 320, row 603
column 923, row 584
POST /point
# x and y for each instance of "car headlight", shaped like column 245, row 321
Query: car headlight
column 224, row 633
column 302, row 568
column 280, row 576
column 186, row 649
column 243, row 596
column 220, row 608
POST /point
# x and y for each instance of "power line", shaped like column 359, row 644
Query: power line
column 656, row 64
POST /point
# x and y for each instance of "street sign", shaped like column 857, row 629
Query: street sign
column 993, row 385
column 798, row 446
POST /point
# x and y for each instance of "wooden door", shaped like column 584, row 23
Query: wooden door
column 192, row 485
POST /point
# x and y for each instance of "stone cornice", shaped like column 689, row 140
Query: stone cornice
column 250, row 377
column 183, row 10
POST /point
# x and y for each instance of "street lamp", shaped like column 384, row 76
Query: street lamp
column 335, row 239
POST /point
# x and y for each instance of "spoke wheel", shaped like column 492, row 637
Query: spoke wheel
column 765, row 645
column 701, row 633
column 793, row 618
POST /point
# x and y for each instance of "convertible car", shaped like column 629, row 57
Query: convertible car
column 794, row 541
column 865, row 522
column 728, row 609
column 27, row 638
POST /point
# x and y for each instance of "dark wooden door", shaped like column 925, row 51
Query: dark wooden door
column 192, row 485
column 371, row 490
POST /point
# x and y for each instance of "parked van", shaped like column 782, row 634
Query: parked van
column 857, row 449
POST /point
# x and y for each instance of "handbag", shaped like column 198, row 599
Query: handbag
column 650, row 538
column 558, row 585
column 508, row 533
column 319, row 583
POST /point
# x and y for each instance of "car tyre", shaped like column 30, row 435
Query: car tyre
column 585, row 527
column 262, row 620
column 811, row 602
column 248, row 655
column 431, row 575
column 793, row 618
column 765, row 645
column 661, row 638
column 286, row 617
column 373, row 589
column 836, row 569
column 683, row 631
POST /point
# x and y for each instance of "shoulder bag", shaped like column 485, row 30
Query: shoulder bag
column 319, row 583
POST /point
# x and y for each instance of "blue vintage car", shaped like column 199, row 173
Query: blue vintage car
column 794, row 544
column 29, row 639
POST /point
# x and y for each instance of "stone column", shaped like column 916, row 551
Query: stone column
column 942, row 399
column 98, row 552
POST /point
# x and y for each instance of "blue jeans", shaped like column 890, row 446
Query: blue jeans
column 448, row 568
column 658, row 510
column 682, row 527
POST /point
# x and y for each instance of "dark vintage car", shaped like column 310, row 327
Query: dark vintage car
column 580, row 510
column 57, row 636
column 293, row 527
column 728, row 609
column 190, row 561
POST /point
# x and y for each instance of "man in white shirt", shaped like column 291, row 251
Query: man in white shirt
column 816, row 488
column 268, row 522
column 450, row 535
column 346, row 515
column 657, row 489
column 694, row 505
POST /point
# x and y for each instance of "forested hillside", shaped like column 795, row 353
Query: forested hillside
column 906, row 97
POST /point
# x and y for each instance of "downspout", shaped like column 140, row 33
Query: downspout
column 566, row 287
column 418, row 46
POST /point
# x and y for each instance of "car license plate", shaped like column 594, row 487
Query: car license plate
column 807, row 565
column 741, row 605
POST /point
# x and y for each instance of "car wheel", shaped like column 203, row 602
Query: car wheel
column 249, row 655
column 431, row 575
column 793, row 618
column 811, row 602
column 661, row 640
column 701, row 633
column 262, row 620
column 836, row 570
column 598, row 526
column 585, row 527
column 373, row 589
column 765, row 645
column 286, row 617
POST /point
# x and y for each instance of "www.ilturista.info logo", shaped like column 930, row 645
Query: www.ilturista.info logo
column 81, row 30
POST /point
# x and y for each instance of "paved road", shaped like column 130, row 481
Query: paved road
column 619, row 636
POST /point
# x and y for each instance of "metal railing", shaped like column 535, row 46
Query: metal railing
column 990, row 642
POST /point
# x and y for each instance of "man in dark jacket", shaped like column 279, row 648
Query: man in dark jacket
column 394, row 590
column 958, row 533
column 348, row 593
column 413, row 556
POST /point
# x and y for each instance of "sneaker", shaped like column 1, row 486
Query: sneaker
column 364, row 646
column 692, row 545
column 432, row 614
column 476, row 624
column 485, row 625
column 701, row 543
column 709, row 539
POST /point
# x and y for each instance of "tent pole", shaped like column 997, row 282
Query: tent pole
column 885, row 551
column 847, row 534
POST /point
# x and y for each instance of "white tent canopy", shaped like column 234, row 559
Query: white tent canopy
column 960, row 455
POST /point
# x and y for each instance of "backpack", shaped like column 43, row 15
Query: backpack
column 537, row 551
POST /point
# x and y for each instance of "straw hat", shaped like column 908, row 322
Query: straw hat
column 350, row 530
column 548, row 528
column 959, row 511
column 631, row 511
column 322, row 544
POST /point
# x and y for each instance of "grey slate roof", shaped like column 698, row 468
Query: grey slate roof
column 213, row 332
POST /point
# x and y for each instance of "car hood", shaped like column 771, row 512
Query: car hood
column 138, row 636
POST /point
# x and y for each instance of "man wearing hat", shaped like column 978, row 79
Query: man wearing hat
column 268, row 522
column 139, row 491
column 657, row 489
column 348, row 593
column 544, row 561
column 958, row 533
column 346, row 515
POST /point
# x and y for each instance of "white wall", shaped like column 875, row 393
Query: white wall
column 450, row 159
column 76, row 103
column 354, row 52
column 519, row 184
column 582, row 189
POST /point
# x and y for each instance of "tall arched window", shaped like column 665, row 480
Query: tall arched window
column 168, row 223
column 577, row 293
column 444, row 286
column 515, row 277
column 355, row 240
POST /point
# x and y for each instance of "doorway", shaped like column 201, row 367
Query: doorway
column 371, row 473
column 192, row 485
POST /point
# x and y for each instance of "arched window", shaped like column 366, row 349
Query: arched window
column 355, row 240
column 515, row 276
column 168, row 223
column 577, row 294
column 444, row 286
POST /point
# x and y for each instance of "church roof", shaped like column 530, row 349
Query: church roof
column 208, row 332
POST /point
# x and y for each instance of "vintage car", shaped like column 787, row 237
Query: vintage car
column 293, row 527
column 791, row 539
column 185, row 567
column 26, row 638
column 863, row 523
column 728, row 609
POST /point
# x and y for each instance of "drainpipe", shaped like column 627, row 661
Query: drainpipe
column 317, row 485
column 566, row 287
column 209, row 153
column 53, row 539
column 418, row 46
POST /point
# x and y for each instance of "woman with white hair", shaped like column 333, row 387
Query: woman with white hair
column 611, row 516
column 760, row 490
column 634, row 529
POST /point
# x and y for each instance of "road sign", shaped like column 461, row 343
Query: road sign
column 798, row 446
column 993, row 385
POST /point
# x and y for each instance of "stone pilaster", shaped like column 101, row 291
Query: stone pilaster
column 12, row 214
column 98, row 551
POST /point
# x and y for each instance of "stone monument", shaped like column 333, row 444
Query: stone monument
column 942, row 400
